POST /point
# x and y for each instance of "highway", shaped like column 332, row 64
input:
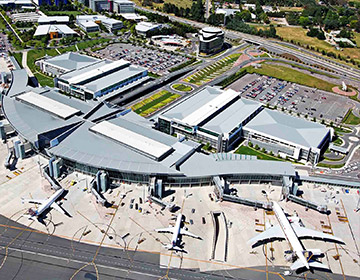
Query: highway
column 302, row 54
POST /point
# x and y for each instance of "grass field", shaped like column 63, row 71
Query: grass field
column 18, row 57
column 350, row 118
column 291, row 75
column 341, row 130
column 291, row 9
column 183, row 4
column 212, row 71
column 338, row 141
column 182, row 87
column 154, row 103
column 330, row 165
column 244, row 150
column 298, row 34
column 44, row 80
column 63, row 13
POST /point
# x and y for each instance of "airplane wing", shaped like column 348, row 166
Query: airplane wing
column 169, row 230
column 185, row 232
column 306, row 233
column 269, row 235
column 58, row 208
column 31, row 200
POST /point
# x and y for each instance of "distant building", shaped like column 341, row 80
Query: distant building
column 345, row 41
column 49, row 2
column 100, row 78
column 124, row 7
column 58, row 65
column 53, row 20
column 211, row 40
column 112, row 24
column 54, row 31
column 227, row 12
column 142, row 28
column 25, row 17
column 100, row 5
column 89, row 23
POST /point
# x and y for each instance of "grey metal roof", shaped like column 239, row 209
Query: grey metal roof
column 30, row 121
column 288, row 128
column 201, row 165
column 84, row 69
column 19, row 81
column 112, row 78
column 330, row 181
column 88, row 148
column 186, row 106
column 71, row 61
column 234, row 115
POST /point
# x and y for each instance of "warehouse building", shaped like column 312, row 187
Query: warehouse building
column 211, row 40
column 99, row 78
column 222, row 119
column 58, row 65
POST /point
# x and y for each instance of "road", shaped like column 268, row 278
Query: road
column 295, row 50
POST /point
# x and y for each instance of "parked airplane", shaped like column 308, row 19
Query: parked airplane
column 51, row 202
column 176, row 231
column 292, row 229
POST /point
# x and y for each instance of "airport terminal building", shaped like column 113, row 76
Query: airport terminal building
column 93, row 136
column 223, row 119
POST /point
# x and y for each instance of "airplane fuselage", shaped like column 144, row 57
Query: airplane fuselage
column 48, row 202
column 290, row 234
column 175, row 235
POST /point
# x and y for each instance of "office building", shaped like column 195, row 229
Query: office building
column 58, row 65
column 211, row 40
column 100, row 78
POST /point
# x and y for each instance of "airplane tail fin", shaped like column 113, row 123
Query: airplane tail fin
column 298, row 266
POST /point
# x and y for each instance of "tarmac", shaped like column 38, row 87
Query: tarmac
column 122, row 242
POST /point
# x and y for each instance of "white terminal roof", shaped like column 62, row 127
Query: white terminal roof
column 87, row 23
column 47, row 104
column 131, row 139
column 210, row 108
column 100, row 70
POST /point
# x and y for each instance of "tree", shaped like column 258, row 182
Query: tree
column 257, row 147
column 197, row 11
column 250, row 144
column 245, row 15
column 304, row 21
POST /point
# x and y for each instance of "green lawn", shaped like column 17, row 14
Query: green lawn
column 298, row 34
column 154, row 103
column 330, row 165
column 182, row 87
column 44, row 80
column 341, row 130
column 350, row 118
column 291, row 75
column 244, row 150
column 91, row 43
column 63, row 13
column 18, row 57
column 212, row 71
column 338, row 141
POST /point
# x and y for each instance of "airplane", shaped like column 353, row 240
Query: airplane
column 46, row 204
column 293, row 230
column 176, row 231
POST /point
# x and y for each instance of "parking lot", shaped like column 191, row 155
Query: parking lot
column 293, row 97
column 156, row 61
